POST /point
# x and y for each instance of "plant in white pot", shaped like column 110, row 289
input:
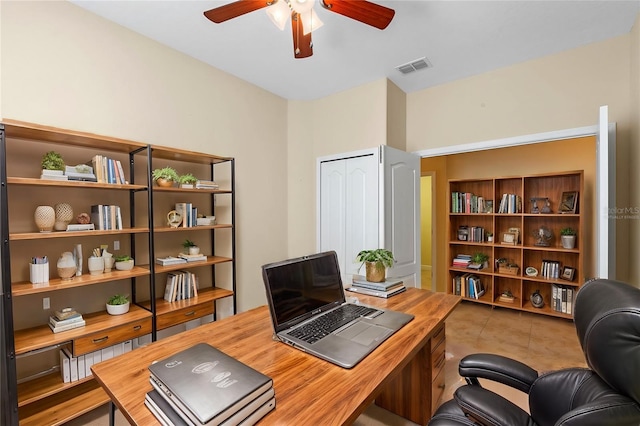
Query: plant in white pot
column 187, row 180
column 52, row 164
column 376, row 263
column 124, row 262
column 568, row 237
column 190, row 247
column 118, row 304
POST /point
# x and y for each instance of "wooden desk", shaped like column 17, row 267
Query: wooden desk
column 309, row 391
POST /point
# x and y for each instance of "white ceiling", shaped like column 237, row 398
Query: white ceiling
column 459, row 38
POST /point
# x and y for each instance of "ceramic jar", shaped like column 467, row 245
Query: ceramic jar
column 95, row 265
column 66, row 266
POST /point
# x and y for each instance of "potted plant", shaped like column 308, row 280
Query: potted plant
column 190, row 247
column 568, row 237
column 479, row 260
column 489, row 235
column 118, row 304
column 124, row 262
column 187, row 180
column 52, row 164
column 165, row 176
column 377, row 261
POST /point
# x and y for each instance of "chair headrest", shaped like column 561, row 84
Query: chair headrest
column 607, row 319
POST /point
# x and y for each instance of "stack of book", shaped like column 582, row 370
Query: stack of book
column 204, row 386
column 170, row 260
column 206, row 184
column 192, row 257
column 66, row 319
column 387, row 288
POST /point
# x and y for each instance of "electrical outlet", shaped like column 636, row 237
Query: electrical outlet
column 116, row 245
column 46, row 303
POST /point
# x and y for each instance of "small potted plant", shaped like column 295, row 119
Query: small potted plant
column 568, row 237
column 187, row 180
column 124, row 262
column 489, row 235
column 478, row 261
column 190, row 247
column 118, row 304
column 52, row 164
column 165, row 176
column 376, row 263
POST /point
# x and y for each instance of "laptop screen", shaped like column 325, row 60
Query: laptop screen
column 299, row 288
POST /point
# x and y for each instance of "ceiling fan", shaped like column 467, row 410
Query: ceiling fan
column 303, row 18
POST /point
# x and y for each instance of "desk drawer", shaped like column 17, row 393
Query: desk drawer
column 184, row 314
column 437, row 389
column 106, row 338
column 438, row 338
column 438, row 360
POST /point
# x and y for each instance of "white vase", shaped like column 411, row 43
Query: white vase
column 45, row 218
column 95, row 265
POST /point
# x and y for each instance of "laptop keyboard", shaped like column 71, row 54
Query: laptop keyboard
column 315, row 330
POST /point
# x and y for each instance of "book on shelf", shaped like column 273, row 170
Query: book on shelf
column 222, row 387
column 66, row 313
column 360, row 281
column 81, row 227
column 378, row 293
column 206, row 184
column 70, row 326
column 192, row 257
column 60, row 323
column 170, row 260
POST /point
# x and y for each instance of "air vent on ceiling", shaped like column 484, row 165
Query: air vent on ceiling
column 418, row 64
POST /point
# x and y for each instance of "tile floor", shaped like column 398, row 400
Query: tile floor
column 544, row 343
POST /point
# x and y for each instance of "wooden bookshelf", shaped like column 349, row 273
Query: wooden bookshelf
column 527, row 251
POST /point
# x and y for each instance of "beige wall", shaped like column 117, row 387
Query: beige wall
column 556, row 92
column 633, row 181
column 65, row 67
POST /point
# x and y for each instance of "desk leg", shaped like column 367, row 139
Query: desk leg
column 112, row 414
column 409, row 394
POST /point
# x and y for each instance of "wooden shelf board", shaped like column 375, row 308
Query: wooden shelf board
column 175, row 154
column 73, row 234
column 545, row 310
column 39, row 337
column 43, row 387
column 64, row 406
column 211, row 260
column 25, row 287
column 192, row 190
column 73, row 184
column 47, row 134
column 204, row 296
column 193, row 228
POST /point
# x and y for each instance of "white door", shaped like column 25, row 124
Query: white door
column 348, row 206
column 401, row 212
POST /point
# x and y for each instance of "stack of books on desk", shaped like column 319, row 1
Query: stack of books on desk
column 66, row 319
column 386, row 289
column 203, row 386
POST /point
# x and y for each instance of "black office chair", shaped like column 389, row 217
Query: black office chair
column 607, row 319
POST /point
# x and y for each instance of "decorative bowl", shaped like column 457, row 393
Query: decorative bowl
column 118, row 309
column 125, row 265
column 66, row 273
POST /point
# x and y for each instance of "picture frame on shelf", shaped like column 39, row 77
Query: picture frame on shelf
column 568, row 273
column 510, row 238
column 569, row 202
column 488, row 206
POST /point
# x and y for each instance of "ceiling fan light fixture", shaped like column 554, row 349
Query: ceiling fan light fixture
column 310, row 21
column 301, row 6
column 279, row 13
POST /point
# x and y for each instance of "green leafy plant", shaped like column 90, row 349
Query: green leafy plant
column 118, row 299
column 122, row 258
column 479, row 257
column 187, row 179
column 568, row 231
column 383, row 256
column 167, row 173
column 188, row 243
column 52, row 161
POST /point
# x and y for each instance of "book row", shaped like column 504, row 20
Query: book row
column 73, row 368
column 108, row 170
column 562, row 298
column 189, row 214
column 550, row 269
column 468, row 285
column 106, row 217
column 510, row 203
column 467, row 202
column 180, row 285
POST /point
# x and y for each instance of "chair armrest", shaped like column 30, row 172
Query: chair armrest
column 499, row 369
column 490, row 409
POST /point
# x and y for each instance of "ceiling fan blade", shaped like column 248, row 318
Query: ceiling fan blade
column 235, row 9
column 302, row 45
column 361, row 10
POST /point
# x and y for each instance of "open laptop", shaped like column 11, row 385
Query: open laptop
column 307, row 291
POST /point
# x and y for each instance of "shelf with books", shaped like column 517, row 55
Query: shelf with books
column 517, row 228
